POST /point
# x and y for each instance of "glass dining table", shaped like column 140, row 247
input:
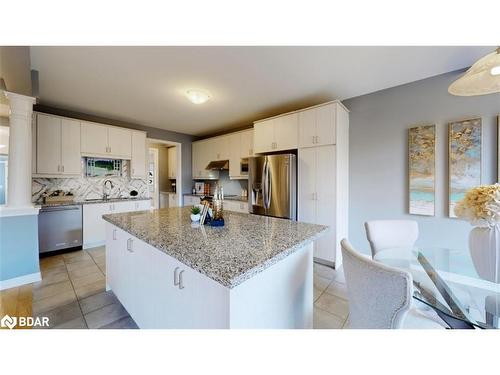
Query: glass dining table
column 447, row 281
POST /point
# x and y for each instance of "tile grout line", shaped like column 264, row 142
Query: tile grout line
column 74, row 291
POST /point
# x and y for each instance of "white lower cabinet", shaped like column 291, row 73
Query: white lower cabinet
column 191, row 200
column 94, row 225
column 157, row 290
column 236, row 206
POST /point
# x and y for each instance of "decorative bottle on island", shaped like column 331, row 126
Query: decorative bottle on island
column 218, row 206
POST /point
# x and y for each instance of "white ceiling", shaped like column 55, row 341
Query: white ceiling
column 146, row 85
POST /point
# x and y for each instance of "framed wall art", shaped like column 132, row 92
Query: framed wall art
column 465, row 148
column 422, row 170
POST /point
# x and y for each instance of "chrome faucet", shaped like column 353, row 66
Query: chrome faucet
column 105, row 195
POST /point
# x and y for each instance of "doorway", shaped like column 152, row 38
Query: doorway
column 165, row 173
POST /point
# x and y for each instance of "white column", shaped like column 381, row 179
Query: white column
column 19, row 177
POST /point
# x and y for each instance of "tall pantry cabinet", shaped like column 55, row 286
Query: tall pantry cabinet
column 323, row 176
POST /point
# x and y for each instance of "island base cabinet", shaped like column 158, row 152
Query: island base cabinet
column 158, row 291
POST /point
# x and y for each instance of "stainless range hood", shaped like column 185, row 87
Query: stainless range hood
column 218, row 165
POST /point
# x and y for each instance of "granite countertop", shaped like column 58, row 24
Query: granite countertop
column 245, row 246
column 93, row 201
column 238, row 198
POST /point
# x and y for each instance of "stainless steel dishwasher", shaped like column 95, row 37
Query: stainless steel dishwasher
column 59, row 228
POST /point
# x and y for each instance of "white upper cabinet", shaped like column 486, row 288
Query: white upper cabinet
column 57, row 146
column 220, row 148
column 49, row 144
column 317, row 126
column 234, row 155
column 106, row 141
column 70, row 147
column 172, row 162
column 120, row 142
column 202, row 154
column 285, row 132
column 276, row 134
column 246, row 144
column 138, row 161
column 94, row 139
column 263, row 136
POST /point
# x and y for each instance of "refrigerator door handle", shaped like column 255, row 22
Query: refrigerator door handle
column 269, row 187
column 264, row 184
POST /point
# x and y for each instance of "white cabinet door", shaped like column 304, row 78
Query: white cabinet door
column 120, row 142
column 163, row 200
column 234, row 154
column 220, row 148
column 172, row 162
column 246, row 144
column 141, row 292
column 286, row 132
column 48, row 144
column 325, row 246
column 142, row 205
column 325, row 125
column 70, row 147
column 172, row 200
column 307, row 185
column 93, row 224
column 307, row 128
column 263, row 140
column 246, row 147
column 138, row 161
column 206, row 154
column 163, row 289
column 196, row 149
column 94, row 139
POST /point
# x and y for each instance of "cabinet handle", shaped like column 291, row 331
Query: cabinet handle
column 176, row 277
column 313, row 139
column 62, row 167
column 317, row 139
column 181, row 282
column 114, row 234
column 129, row 245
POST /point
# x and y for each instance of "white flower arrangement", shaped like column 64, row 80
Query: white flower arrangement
column 480, row 206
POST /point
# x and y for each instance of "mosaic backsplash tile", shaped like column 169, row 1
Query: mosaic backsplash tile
column 89, row 187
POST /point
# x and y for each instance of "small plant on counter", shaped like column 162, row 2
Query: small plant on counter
column 195, row 214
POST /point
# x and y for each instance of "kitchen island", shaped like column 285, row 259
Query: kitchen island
column 255, row 272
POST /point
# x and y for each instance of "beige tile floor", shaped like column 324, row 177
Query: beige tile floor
column 72, row 294
column 331, row 308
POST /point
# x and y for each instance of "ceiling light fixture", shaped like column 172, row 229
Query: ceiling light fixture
column 197, row 96
column 482, row 78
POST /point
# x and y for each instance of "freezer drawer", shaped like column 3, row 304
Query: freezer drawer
column 59, row 228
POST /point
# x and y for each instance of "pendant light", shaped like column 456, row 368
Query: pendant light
column 482, row 78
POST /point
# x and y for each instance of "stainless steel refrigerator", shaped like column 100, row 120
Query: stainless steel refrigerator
column 272, row 184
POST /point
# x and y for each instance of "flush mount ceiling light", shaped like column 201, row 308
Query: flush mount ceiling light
column 197, row 96
column 482, row 78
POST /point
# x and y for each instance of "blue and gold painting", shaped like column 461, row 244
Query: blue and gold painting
column 422, row 169
column 464, row 159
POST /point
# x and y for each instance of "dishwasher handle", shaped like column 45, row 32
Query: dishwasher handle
column 60, row 208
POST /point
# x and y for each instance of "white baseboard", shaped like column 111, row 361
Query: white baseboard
column 90, row 245
column 21, row 280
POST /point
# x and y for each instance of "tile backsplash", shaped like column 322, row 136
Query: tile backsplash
column 89, row 187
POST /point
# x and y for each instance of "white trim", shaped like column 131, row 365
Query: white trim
column 178, row 188
column 6, row 211
column 304, row 109
column 21, row 280
column 90, row 245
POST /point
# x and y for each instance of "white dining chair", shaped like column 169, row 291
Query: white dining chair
column 385, row 234
column 380, row 296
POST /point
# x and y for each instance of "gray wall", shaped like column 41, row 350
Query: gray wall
column 15, row 69
column 378, row 155
column 154, row 133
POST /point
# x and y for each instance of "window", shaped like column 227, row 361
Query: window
column 103, row 167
